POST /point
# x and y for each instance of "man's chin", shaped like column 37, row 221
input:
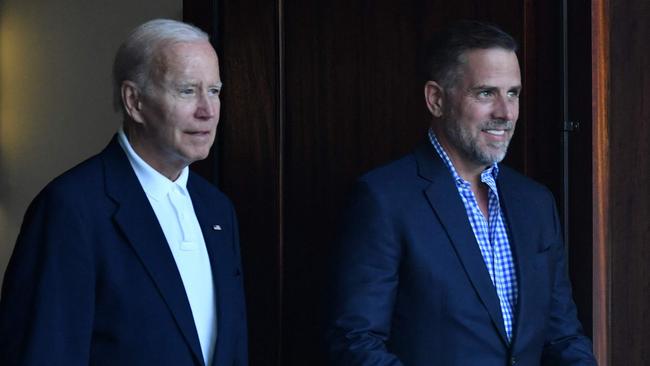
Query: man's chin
column 489, row 159
column 200, row 157
column 195, row 156
column 495, row 154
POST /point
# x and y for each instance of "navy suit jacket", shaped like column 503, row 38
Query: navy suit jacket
column 411, row 287
column 92, row 280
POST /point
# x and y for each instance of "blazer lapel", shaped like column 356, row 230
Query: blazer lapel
column 137, row 220
column 445, row 201
column 513, row 205
column 220, row 253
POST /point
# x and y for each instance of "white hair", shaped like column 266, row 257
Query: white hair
column 133, row 58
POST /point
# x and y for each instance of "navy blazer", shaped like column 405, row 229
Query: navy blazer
column 92, row 280
column 411, row 287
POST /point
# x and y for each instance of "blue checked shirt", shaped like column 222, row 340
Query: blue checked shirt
column 491, row 235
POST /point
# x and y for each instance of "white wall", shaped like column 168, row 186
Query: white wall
column 55, row 91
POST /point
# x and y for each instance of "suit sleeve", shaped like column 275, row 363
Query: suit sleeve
column 365, row 278
column 47, row 303
column 566, row 343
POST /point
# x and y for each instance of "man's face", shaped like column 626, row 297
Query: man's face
column 180, row 109
column 481, row 109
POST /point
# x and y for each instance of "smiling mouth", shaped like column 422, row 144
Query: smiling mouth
column 495, row 132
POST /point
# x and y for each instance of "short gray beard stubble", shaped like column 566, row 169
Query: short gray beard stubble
column 469, row 147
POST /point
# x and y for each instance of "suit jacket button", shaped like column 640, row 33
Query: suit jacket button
column 513, row 360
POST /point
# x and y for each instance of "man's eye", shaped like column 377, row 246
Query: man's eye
column 513, row 94
column 484, row 93
column 214, row 91
column 187, row 91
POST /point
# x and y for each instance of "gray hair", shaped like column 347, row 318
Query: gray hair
column 445, row 51
column 133, row 58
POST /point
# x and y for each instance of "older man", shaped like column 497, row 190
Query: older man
column 447, row 257
column 129, row 258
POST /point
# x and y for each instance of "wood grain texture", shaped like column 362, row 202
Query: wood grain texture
column 629, row 177
column 353, row 102
column 250, row 158
column 601, row 173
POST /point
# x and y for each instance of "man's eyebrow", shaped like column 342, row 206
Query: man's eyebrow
column 483, row 87
column 192, row 83
column 185, row 84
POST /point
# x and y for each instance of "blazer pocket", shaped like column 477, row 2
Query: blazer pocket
column 541, row 260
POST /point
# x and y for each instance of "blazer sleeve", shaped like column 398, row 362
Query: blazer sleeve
column 566, row 343
column 46, row 309
column 365, row 278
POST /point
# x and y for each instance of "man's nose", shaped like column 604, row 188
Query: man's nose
column 506, row 108
column 206, row 107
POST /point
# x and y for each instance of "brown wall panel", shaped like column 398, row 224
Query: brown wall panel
column 601, row 161
column 249, row 152
column 353, row 102
column 629, row 178
column 537, row 151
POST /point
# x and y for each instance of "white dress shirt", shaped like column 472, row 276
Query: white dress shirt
column 172, row 205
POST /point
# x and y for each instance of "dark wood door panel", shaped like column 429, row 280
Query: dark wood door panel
column 250, row 158
column 629, row 178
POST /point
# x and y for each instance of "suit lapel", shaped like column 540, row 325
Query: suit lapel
column 218, row 251
column 513, row 205
column 445, row 201
column 137, row 220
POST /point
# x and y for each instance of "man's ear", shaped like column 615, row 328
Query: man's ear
column 131, row 97
column 434, row 96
